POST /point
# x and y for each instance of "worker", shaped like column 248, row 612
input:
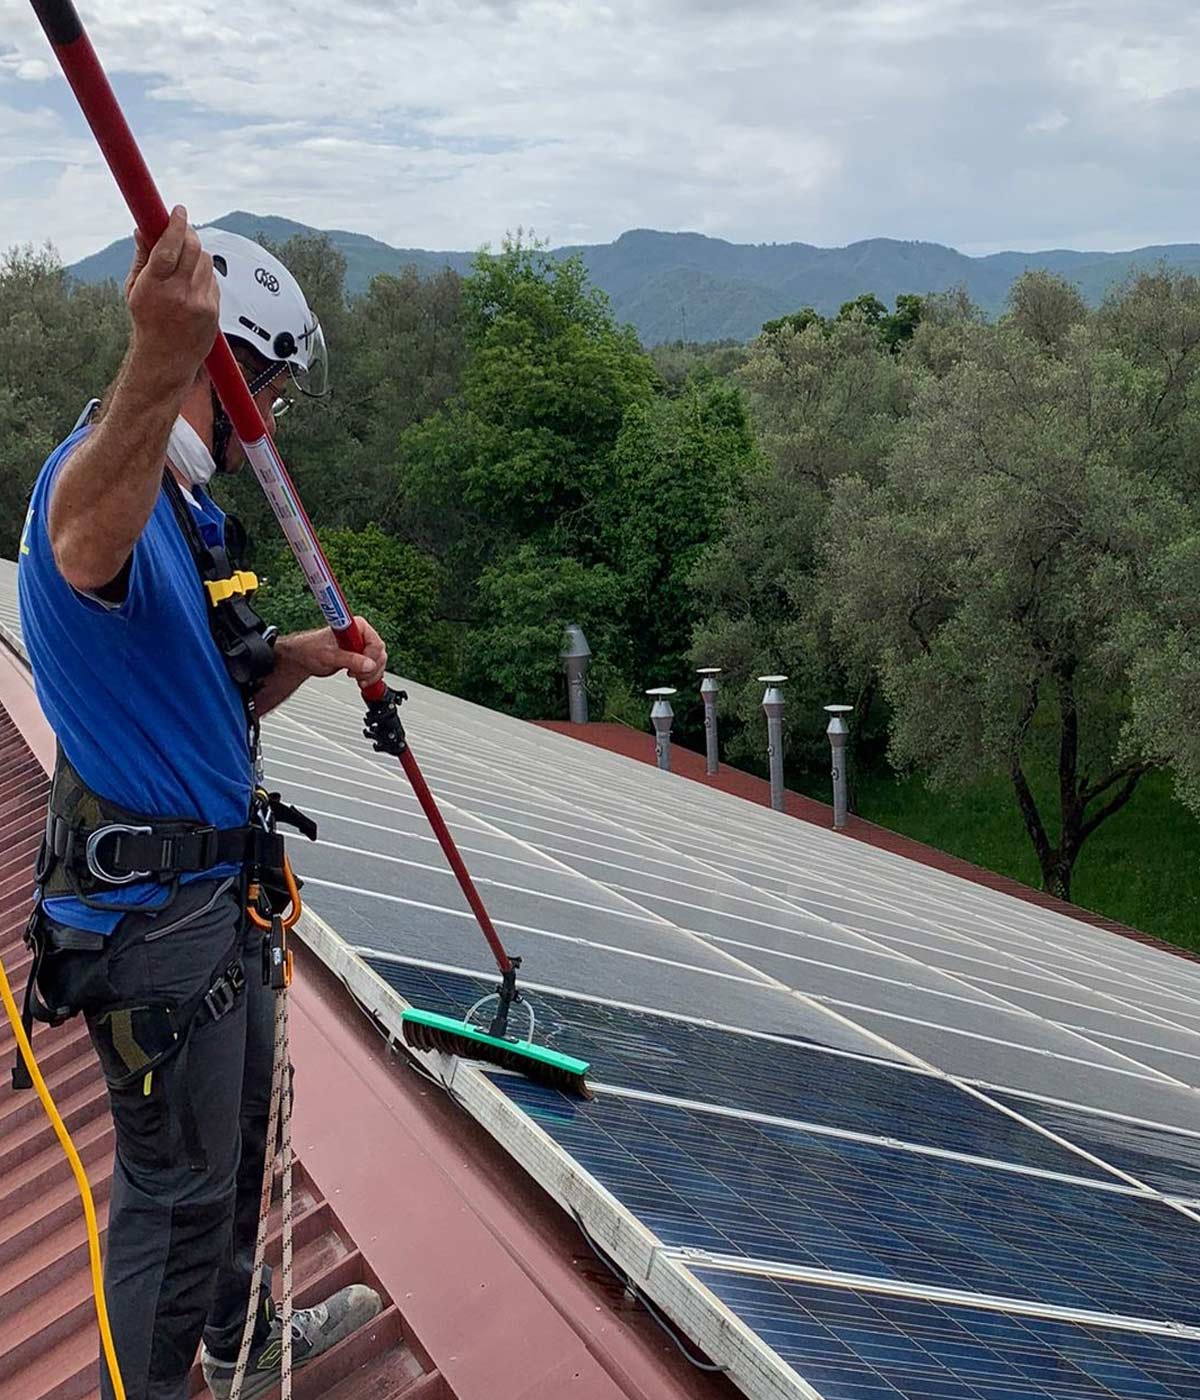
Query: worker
column 154, row 685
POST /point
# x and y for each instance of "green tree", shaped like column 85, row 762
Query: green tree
column 549, row 380
column 62, row 344
column 407, row 352
column 526, row 600
column 526, row 442
column 522, row 455
column 825, row 402
column 796, row 321
column 678, row 361
column 899, row 326
column 1045, row 307
column 993, row 578
column 1154, row 322
column 676, row 466
column 384, row 580
column 894, row 328
column 943, row 333
column 395, row 356
column 866, row 307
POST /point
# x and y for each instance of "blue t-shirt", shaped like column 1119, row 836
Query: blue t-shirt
column 137, row 693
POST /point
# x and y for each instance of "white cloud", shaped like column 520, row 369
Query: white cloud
column 1051, row 122
column 441, row 123
column 26, row 70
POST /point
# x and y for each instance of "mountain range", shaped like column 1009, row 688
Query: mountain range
column 674, row 286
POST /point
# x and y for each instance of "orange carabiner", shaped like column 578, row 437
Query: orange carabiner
column 294, row 909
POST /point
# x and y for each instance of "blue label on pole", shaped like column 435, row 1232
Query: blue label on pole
column 331, row 606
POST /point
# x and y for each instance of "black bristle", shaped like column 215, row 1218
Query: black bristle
column 422, row 1037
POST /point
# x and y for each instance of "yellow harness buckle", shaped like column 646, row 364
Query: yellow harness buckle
column 243, row 582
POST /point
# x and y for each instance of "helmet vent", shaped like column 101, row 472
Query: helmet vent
column 250, row 326
column 220, row 265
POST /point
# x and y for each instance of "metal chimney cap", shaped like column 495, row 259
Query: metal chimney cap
column 772, row 680
column 663, row 690
column 839, row 709
column 574, row 643
column 709, row 670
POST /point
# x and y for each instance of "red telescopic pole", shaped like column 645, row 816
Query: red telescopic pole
column 99, row 105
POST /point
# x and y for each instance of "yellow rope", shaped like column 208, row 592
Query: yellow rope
column 85, row 1191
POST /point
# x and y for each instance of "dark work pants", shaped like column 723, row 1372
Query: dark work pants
column 180, row 1240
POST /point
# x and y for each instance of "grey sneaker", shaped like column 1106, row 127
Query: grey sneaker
column 314, row 1330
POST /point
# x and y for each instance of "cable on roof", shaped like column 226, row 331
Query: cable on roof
column 108, row 1347
column 395, row 1043
column 626, row 1282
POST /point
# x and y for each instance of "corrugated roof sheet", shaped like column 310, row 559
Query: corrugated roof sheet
column 47, row 1328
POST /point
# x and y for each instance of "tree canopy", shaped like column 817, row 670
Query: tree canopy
column 999, row 576
column 982, row 533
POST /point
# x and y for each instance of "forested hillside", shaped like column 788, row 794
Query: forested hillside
column 983, row 533
column 684, row 286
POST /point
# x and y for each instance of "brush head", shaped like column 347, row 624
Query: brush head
column 426, row 1030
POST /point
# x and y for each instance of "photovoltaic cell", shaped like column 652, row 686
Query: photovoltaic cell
column 742, row 1188
column 867, row 1346
column 1169, row 1161
column 638, row 1050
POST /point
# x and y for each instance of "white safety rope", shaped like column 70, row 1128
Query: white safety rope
column 279, row 1130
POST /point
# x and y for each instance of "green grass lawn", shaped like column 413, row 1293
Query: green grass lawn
column 1142, row 866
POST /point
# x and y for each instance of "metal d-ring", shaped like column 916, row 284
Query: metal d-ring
column 93, row 844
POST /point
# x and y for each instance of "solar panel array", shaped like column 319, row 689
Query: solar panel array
column 925, row 1139
column 921, row 1138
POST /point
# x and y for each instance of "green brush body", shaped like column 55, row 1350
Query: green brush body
column 426, row 1030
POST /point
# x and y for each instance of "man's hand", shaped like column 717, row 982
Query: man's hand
column 106, row 489
column 174, row 301
column 307, row 654
column 318, row 654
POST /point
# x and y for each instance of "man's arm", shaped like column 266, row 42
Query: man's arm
column 305, row 654
column 106, row 489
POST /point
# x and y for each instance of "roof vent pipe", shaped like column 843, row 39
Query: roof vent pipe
column 837, row 731
column 773, row 705
column 576, row 658
column 661, row 717
column 708, row 693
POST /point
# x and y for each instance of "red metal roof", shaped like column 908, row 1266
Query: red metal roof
column 490, row 1294
column 632, row 743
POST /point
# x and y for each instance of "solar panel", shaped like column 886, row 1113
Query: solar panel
column 1167, row 1160
column 855, row 1345
column 861, row 1129
column 788, row 1079
column 765, row 1192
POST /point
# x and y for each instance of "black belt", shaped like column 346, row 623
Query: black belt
column 118, row 853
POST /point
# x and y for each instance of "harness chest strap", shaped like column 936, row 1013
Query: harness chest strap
column 245, row 641
column 241, row 583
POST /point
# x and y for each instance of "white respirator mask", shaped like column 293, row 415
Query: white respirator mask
column 189, row 456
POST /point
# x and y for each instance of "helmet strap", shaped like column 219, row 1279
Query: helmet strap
column 222, row 431
column 265, row 377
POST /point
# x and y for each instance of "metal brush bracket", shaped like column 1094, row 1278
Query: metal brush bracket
column 506, row 994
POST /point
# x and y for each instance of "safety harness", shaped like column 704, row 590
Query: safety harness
column 94, row 846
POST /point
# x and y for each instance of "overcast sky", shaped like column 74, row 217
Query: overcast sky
column 443, row 123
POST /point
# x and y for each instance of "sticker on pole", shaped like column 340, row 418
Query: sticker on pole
column 273, row 479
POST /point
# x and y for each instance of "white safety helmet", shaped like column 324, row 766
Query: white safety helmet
column 262, row 305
